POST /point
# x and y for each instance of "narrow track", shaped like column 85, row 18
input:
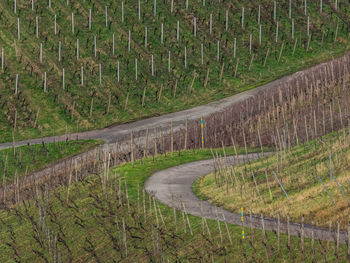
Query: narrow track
column 173, row 187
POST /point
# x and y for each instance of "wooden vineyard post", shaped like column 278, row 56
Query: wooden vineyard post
column 338, row 233
column 227, row 230
column 329, row 235
column 13, row 143
column 175, row 88
column 251, row 62
column 202, row 132
column 295, row 45
column 36, row 118
column 206, row 78
column 234, row 146
column 222, row 71
column 279, row 57
column 278, row 231
column 143, row 96
column 186, row 135
column 132, row 147
column 288, row 230
column 145, row 151
column 236, row 68
column 263, row 227
column 312, row 239
column 126, row 101
column 109, row 103
column 194, row 78
column 91, row 105
column 15, row 124
column 219, row 227
column 267, row 55
column 155, row 141
column 302, row 235
column 171, row 137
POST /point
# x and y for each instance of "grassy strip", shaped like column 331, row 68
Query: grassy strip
column 25, row 159
column 298, row 171
column 89, row 227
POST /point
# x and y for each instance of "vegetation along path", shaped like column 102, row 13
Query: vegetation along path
column 116, row 132
column 173, row 187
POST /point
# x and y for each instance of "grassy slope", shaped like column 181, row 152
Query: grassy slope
column 69, row 108
column 86, row 226
column 26, row 159
column 298, row 171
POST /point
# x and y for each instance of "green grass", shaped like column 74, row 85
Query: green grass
column 26, row 159
column 90, row 226
column 298, row 171
column 69, row 108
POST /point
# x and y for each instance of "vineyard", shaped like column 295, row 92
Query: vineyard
column 108, row 217
column 309, row 180
column 84, row 76
column 78, row 65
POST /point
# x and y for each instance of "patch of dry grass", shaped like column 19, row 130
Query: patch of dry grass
column 298, row 172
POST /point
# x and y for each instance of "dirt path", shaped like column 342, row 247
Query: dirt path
column 173, row 187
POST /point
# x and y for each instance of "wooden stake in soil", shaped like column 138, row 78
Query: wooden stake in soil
column 171, row 138
column 36, row 118
column 206, row 78
column 329, row 236
column 186, row 134
column 236, row 68
column 188, row 220
column 263, row 227
column 72, row 23
column 302, row 235
column 18, row 30
column 155, row 141
column 90, row 19
column 338, row 233
column 288, row 232
column 279, row 57
column 278, row 231
column 124, row 237
column 122, row 12
column 267, row 54
column 91, row 106
column 132, row 146
column 295, row 45
column 227, row 230
column 2, row 58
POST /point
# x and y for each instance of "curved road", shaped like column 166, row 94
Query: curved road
column 173, row 187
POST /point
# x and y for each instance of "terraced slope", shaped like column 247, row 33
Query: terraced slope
column 74, row 75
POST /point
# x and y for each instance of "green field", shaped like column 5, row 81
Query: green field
column 108, row 218
column 47, row 107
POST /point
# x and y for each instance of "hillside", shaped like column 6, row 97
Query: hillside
column 78, row 65
column 310, row 180
column 109, row 218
